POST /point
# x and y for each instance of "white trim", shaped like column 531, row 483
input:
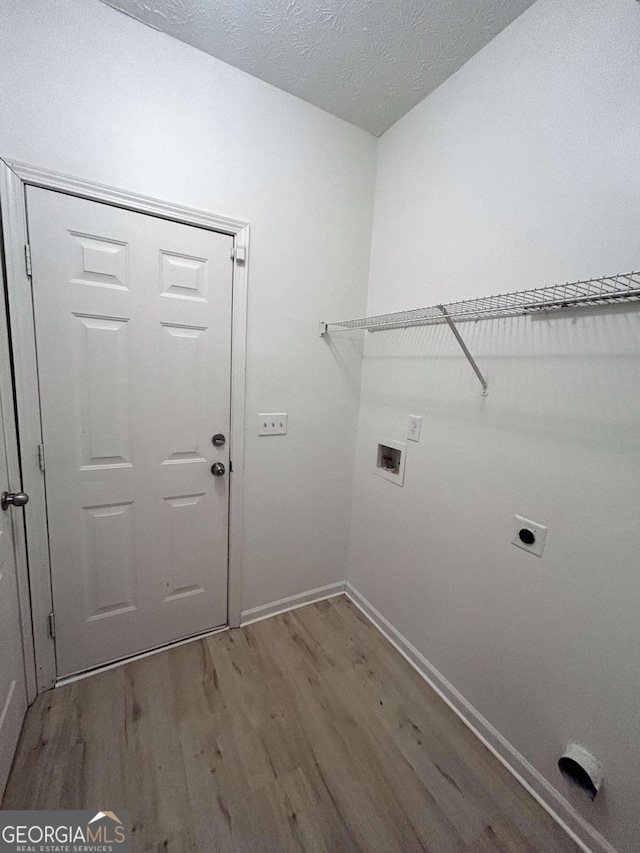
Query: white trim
column 587, row 838
column 236, row 439
column 293, row 602
column 36, row 177
column 80, row 676
column 13, row 179
column 39, row 648
column 14, row 484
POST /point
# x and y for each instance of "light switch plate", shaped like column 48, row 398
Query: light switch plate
column 272, row 423
column 538, row 531
column 415, row 426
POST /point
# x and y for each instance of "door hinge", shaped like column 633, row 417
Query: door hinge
column 27, row 258
column 52, row 626
column 41, row 456
column 239, row 254
column 230, row 467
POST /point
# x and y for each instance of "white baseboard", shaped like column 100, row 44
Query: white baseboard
column 551, row 800
column 247, row 617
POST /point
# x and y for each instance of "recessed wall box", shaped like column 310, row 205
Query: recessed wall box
column 390, row 459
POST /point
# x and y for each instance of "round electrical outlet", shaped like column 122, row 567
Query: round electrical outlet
column 527, row 536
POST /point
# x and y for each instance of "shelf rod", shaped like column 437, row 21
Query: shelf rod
column 465, row 350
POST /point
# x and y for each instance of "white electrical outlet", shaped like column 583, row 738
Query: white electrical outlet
column 415, row 425
column 529, row 535
column 272, row 424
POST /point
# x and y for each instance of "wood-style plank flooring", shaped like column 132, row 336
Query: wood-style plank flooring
column 307, row 731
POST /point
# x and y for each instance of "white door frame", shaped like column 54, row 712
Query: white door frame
column 15, row 484
column 14, row 178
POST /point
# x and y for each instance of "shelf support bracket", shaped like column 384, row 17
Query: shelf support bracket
column 465, row 350
column 323, row 329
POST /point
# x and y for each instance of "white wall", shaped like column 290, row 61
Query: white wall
column 90, row 92
column 520, row 170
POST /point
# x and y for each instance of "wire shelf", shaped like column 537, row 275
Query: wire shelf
column 624, row 287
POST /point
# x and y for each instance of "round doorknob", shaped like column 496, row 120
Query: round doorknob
column 217, row 469
column 13, row 498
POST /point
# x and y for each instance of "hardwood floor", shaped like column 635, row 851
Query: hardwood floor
column 307, row 731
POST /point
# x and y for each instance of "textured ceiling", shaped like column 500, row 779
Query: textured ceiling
column 366, row 61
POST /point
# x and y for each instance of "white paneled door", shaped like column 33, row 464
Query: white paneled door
column 13, row 698
column 133, row 334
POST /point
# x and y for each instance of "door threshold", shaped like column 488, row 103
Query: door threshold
column 96, row 670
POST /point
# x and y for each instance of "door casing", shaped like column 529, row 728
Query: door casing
column 35, row 584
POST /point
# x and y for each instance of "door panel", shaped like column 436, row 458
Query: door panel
column 133, row 333
column 102, row 353
column 13, row 697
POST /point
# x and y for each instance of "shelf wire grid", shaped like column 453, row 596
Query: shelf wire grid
column 623, row 287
